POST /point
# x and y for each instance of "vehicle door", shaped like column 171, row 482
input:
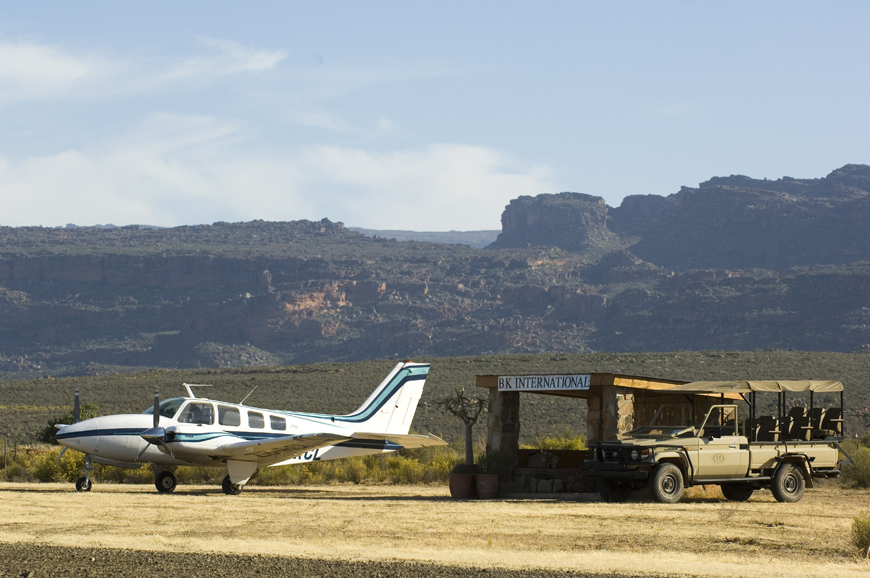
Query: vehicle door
column 722, row 453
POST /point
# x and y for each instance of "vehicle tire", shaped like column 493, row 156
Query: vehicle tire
column 165, row 482
column 83, row 484
column 737, row 492
column 666, row 483
column 788, row 484
column 230, row 488
column 614, row 490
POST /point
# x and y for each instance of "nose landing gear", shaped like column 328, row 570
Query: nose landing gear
column 83, row 484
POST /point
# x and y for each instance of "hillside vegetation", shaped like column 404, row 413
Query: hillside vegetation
column 26, row 405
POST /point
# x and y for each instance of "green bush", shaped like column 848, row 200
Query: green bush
column 861, row 533
column 565, row 439
column 857, row 475
column 402, row 470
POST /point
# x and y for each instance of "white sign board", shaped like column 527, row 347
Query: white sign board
column 543, row 382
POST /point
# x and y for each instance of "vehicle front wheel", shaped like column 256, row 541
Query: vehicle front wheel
column 230, row 488
column 787, row 484
column 165, row 482
column 666, row 484
column 83, row 484
column 737, row 492
column 614, row 490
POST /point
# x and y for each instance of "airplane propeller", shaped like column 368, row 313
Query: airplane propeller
column 156, row 435
column 77, row 415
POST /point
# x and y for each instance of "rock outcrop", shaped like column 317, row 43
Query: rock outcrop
column 572, row 221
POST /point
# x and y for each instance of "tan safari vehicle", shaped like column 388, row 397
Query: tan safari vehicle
column 716, row 437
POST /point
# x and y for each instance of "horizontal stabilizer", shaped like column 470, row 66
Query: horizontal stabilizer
column 405, row 440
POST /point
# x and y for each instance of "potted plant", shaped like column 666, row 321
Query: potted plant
column 489, row 466
column 460, row 482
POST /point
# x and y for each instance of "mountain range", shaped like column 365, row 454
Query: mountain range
column 736, row 263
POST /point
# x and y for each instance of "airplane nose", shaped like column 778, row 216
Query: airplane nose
column 76, row 436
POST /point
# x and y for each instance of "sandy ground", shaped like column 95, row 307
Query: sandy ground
column 393, row 530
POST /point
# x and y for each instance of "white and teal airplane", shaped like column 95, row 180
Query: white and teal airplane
column 184, row 431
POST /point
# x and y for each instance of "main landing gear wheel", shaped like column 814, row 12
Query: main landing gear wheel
column 666, row 484
column 83, row 484
column 787, row 484
column 613, row 490
column 165, row 482
column 230, row 488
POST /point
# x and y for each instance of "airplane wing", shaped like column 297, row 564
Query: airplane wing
column 276, row 449
column 406, row 441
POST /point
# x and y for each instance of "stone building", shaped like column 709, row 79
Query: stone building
column 615, row 403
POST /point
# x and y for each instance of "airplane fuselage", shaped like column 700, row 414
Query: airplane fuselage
column 117, row 439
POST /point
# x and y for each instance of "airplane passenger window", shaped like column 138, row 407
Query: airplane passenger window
column 198, row 413
column 255, row 420
column 277, row 423
column 229, row 415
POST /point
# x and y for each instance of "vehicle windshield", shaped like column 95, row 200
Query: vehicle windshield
column 675, row 420
column 168, row 407
column 669, row 420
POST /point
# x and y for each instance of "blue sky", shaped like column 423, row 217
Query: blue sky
column 404, row 115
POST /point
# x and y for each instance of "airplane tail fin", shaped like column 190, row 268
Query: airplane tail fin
column 391, row 407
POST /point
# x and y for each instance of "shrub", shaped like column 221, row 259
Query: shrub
column 46, row 468
column 857, row 475
column 861, row 533
column 565, row 439
column 402, row 470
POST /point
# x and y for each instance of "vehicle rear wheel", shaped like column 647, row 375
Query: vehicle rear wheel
column 165, row 482
column 230, row 488
column 614, row 490
column 666, row 484
column 737, row 492
column 83, row 484
column 787, row 484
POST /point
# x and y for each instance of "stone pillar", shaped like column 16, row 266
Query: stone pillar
column 503, row 422
column 617, row 412
column 625, row 411
column 593, row 418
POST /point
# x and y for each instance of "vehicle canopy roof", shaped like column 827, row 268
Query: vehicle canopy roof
column 750, row 386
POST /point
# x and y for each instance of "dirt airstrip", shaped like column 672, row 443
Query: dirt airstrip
column 121, row 530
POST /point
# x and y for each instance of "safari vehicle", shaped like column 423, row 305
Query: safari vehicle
column 715, row 437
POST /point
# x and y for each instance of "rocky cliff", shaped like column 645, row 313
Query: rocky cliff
column 736, row 263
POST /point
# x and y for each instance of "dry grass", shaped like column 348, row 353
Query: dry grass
column 703, row 536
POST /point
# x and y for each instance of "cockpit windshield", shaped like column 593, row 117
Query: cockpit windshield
column 168, row 407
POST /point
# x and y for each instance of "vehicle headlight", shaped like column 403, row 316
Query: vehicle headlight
column 635, row 454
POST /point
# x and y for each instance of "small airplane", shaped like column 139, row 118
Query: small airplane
column 184, row 431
